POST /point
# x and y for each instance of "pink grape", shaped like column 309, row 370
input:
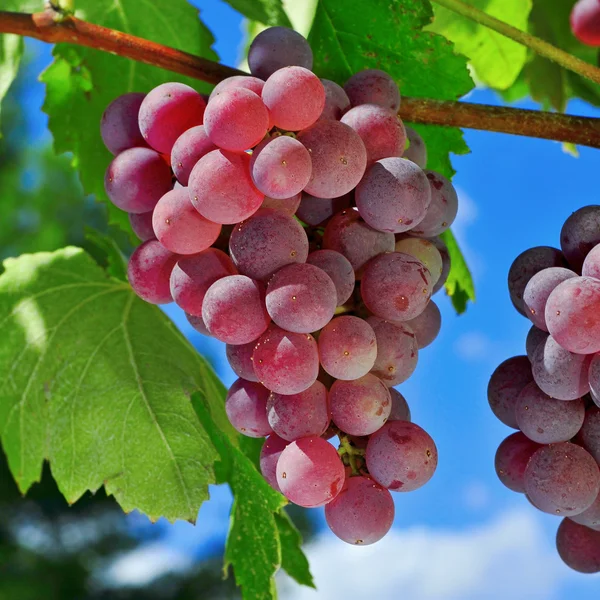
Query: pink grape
column 591, row 264
column 188, row 149
column 287, row 206
column 347, row 347
column 401, row 456
column 427, row 325
column 579, row 234
column 573, row 314
column 234, row 309
column 400, row 409
column 416, row 150
column 443, row 250
column 562, row 479
column 119, row 126
column 578, row 546
column 310, row 472
column 254, row 84
column 221, row 188
column 266, row 242
column 141, row 223
column 594, row 378
column 425, row 251
column 167, row 111
column 269, row 457
column 373, row 86
column 285, row 362
column 506, row 383
column 336, row 101
column 348, row 234
column 198, row 324
column 317, row 211
column 278, row 47
column 246, row 407
column 512, row 457
column 397, row 351
column 560, row 373
column 585, row 22
column 590, row 432
column 443, row 207
column 535, row 337
column 546, row 420
column 136, row 179
column 590, row 517
column 179, row 227
column 299, row 415
column 361, row 406
column 525, row 266
column 280, row 167
column 239, row 358
column 396, row 286
column 362, row 513
column 339, row 269
column 236, row 119
column 193, row 275
column 339, row 158
column 149, row 270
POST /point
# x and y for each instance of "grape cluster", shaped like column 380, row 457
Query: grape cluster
column 293, row 220
column 585, row 22
column 552, row 395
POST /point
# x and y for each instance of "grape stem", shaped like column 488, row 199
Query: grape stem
column 529, row 123
column 350, row 452
column 539, row 46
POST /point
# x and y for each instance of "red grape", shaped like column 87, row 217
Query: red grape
column 188, row 149
column 416, row 150
column 119, row 126
column 287, row 206
column 427, row 325
column 590, row 432
column 590, row 517
column 591, row 264
column 585, row 21
column 512, row 457
column 239, row 358
column 535, row 337
column 254, row 84
column 373, row 86
column 578, row 546
column 317, row 211
column 443, row 207
column 269, row 456
column 141, row 223
column 246, row 407
column 198, row 324
column 443, row 250
column 400, row 409
column 425, row 251
column 339, row 269
column 149, row 270
column 336, row 101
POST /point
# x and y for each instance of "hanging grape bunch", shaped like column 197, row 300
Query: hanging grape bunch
column 552, row 395
column 294, row 220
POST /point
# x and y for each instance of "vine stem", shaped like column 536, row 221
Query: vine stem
column 541, row 47
column 44, row 26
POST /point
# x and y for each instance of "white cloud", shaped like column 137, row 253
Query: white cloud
column 508, row 557
column 473, row 346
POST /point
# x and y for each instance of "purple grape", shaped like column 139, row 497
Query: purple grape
column 401, row 456
column 317, row 211
column 234, row 309
column 560, row 373
column 360, row 407
column 167, row 111
column 562, row 479
column 394, row 195
column 339, row 158
column 198, row 324
column 285, row 362
column 362, row 513
column 442, row 209
column 310, row 472
column 254, row 84
column 590, row 517
column 573, row 315
column 269, row 456
column 301, row 298
column 416, row 150
column 397, row 351
column 535, row 337
column 193, row 275
column 579, row 234
column 141, row 223
column 506, row 383
column 396, row 286
column 119, row 125
column 380, row 129
column 425, row 251
column 594, row 379
column 373, row 86
column 512, row 457
column 179, row 227
column 299, row 415
column 280, row 167
column 348, row 234
column 400, row 409
column 149, row 270
column 347, row 347
column 221, row 188
column 590, row 432
column 546, row 420
column 339, row 269
column 266, row 242
column 239, row 358
column 246, row 407
column 578, row 546
column 288, row 206
column 525, row 266
column 136, row 179
column 336, row 101
column 443, row 250
column 427, row 325
column 188, row 149
column 275, row 48
column 591, row 264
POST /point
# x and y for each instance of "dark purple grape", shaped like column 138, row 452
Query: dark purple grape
column 416, row 151
column 317, row 211
column 400, row 409
column 589, row 435
column 535, row 337
column 372, row 86
column 590, row 517
column 579, row 234
column 119, row 125
column 578, row 546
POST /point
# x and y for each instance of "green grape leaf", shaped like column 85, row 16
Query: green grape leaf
column 105, row 250
column 459, row 285
column 81, row 82
column 387, row 34
column 98, row 382
column 496, row 59
column 267, row 12
column 293, row 560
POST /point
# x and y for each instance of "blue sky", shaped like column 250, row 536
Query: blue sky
column 463, row 535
